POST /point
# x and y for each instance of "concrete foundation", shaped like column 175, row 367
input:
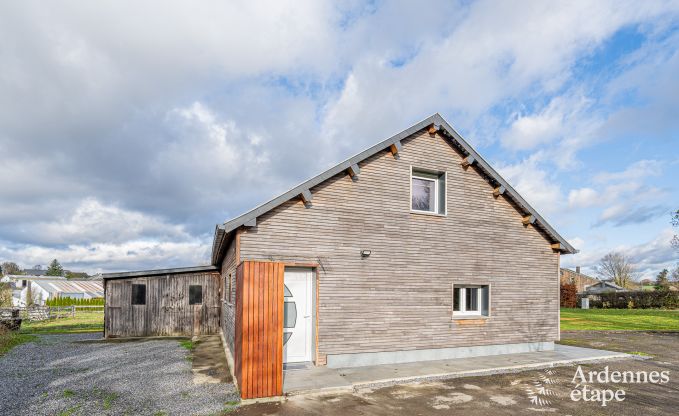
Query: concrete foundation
column 396, row 357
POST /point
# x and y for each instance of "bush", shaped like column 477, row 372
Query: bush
column 569, row 295
column 663, row 299
column 74, row 302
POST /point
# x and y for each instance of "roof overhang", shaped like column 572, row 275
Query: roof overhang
column 434, row 123
column 158, row 272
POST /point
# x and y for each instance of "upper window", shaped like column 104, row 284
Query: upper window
column 428, row 192
column 471, row 300
column 195, row 294
column 139, row 294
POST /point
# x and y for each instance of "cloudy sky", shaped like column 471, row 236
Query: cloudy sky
column 129, row 129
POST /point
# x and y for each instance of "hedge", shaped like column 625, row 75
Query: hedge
column 66, row 301
column 569, row 295
column 658, row 299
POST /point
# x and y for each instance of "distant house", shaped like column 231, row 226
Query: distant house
column 604, row 287
column 74, row 289
column 50, row 287
column 580, row 280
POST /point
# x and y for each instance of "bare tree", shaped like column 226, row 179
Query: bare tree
column 616, row 267
column 9, row 267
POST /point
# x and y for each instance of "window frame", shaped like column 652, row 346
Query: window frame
column 440, row 209
column 201, row 295
column 132, row 298
column 463, row 313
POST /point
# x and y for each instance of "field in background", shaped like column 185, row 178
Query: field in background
column 619, row 319
column 84, row 321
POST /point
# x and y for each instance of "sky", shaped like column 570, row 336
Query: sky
column 128, row 130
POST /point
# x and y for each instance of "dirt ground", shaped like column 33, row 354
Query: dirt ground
column 532, row 392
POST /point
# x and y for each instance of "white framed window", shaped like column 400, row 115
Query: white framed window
column 427, row 192
column 471, row 300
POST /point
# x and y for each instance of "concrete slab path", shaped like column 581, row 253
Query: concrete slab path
column 208, row 361
column 323, row 379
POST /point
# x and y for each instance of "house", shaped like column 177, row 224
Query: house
column 414, row 249
column 580, row 280
column 603, row 287
column 41, row 288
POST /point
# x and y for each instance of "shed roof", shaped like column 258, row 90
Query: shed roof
column 94, row 289
column 157, row 272
column 222, row 231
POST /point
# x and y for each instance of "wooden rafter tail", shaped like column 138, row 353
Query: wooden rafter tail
column 395, row 148
column 528, row 219
column 354, row 171
column 433, row 129
column 468, row 161
column 499, row 191
column 306, row 197
column 557, row 246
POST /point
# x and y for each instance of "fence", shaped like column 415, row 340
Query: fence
column 40, row 313
column 89, row 308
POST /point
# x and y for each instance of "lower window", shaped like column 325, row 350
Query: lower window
column 471, row 300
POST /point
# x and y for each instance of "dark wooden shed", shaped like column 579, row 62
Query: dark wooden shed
column 169, row 302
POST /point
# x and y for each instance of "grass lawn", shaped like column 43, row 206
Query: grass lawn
column 9, row 340
column 619, row 319
column 82, row 322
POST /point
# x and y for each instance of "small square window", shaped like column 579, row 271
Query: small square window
column 195, row 294
column 139, row 294
column 471, row 300
column 428, row 192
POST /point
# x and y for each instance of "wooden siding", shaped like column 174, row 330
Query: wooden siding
column 228, row 273
column 259, row 329
column 167, row 311
column 406, row 281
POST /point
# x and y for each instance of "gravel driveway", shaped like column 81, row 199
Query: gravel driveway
column 57, row 376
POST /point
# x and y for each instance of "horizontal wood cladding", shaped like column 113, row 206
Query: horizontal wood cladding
column 259, row 329
column 167, row 311
column 399, row 298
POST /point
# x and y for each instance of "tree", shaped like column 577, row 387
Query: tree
column 9, row 267
column 55, row 269
column 616, row 267
column 675, row 274
column 5, row 295
column 662, row 280
column 76, row 275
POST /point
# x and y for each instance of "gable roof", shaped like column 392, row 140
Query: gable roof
column 604, row 283
column 223, row 231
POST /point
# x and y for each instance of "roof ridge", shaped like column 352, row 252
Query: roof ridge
column 442, row 126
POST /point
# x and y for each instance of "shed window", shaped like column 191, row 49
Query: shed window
column 139, row 294
column 471, row 300
column 428, row 192
column 195, row 294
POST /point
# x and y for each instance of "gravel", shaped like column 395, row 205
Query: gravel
column 57, row 376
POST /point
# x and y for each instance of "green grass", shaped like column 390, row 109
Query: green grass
column 9, row 340
column 619, row 319
column 82, row 322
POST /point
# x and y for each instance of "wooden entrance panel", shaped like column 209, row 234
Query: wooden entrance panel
column 259, row 329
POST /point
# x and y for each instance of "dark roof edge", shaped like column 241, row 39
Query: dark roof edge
column 142, row 273
column 223, row 230
column 567, row 248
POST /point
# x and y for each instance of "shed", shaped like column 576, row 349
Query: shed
column 167, row 302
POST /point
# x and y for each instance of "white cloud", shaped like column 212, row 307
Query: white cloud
column 534, row 184
column 583, row 197
column 648, row 257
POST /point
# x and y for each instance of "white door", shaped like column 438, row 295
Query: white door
column 297, row 306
